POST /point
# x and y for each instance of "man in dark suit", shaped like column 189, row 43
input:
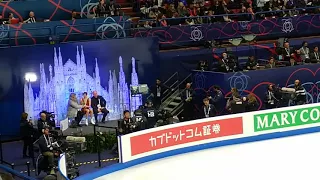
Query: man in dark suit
column 187, row 97
column 98, row 104
column 287, row 52
column 157, row 93
column 271, row 64
column 218, row 100
column 292, row 62
column 314, row 56
column 227, row 63
column 208, row 110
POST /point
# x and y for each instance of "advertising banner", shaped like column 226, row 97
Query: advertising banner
column 288, row 118
column 185, row 134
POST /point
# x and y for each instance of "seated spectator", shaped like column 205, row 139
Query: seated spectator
column 227, row 63
column 210, row 18
column 74, row 15
column 12, row 19
column 251, row 63
column 203, row 66
column 182, row 10
column 305, row 52
column 314, row 56
column 114, row 8
column 171, row 11
column 102, row 10
column 235, row 103
column 271, row 64
column 161, row 20
column 297, row 57
column 251, row 103
column 292, row 62
column 31, row 19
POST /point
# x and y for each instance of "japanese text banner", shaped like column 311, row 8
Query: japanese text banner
column 185, row 134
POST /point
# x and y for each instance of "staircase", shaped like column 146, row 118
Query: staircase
column 172, row 102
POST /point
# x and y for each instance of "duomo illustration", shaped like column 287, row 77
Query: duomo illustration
column 72, row 77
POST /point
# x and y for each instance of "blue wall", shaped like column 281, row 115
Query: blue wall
column 18, row 61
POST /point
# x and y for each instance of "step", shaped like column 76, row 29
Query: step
column 174, row 104
column 178, row 98
column 168, row 109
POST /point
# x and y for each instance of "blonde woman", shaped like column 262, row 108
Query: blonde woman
column 252, row 103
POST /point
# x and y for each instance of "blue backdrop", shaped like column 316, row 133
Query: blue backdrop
column 15, row 62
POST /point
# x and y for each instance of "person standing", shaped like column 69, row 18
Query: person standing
column 151, row 114
column 300, row 97
column 26, row 130
column 98, row 104
column 187, row 97
column 157, row 93
column 270, row 99
column 218, row 100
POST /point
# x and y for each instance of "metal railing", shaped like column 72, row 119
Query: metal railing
column 176, row 94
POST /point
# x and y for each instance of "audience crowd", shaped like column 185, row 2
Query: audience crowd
column 286, row 55
column 102, row 9
column 190, row 12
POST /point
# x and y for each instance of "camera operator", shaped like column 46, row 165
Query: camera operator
column 140, row 120
column 126, row 125
column 44, row 122
column 165, row 118
column 47, row 148
column 151, row 114
column 300, row 96
column 27, row 131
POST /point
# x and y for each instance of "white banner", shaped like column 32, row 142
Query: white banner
column 202, row 131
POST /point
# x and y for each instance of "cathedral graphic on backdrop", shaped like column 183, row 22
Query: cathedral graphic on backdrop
column 72, row 77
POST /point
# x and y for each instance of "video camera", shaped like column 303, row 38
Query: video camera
column 163, row 118
column 50, row 117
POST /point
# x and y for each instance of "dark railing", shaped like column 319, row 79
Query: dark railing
column 97, row 140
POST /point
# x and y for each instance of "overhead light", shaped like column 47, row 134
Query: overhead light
column 30, row 77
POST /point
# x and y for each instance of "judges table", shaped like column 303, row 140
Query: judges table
column 256, row 81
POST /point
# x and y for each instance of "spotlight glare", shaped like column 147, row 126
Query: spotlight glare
column 30, row 77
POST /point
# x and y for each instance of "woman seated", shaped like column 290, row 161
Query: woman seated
column 252, row 103
column 86, row 101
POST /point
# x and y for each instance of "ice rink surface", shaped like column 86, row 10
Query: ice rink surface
column 291, row 158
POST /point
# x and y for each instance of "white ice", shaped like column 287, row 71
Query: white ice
column 291, row 158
